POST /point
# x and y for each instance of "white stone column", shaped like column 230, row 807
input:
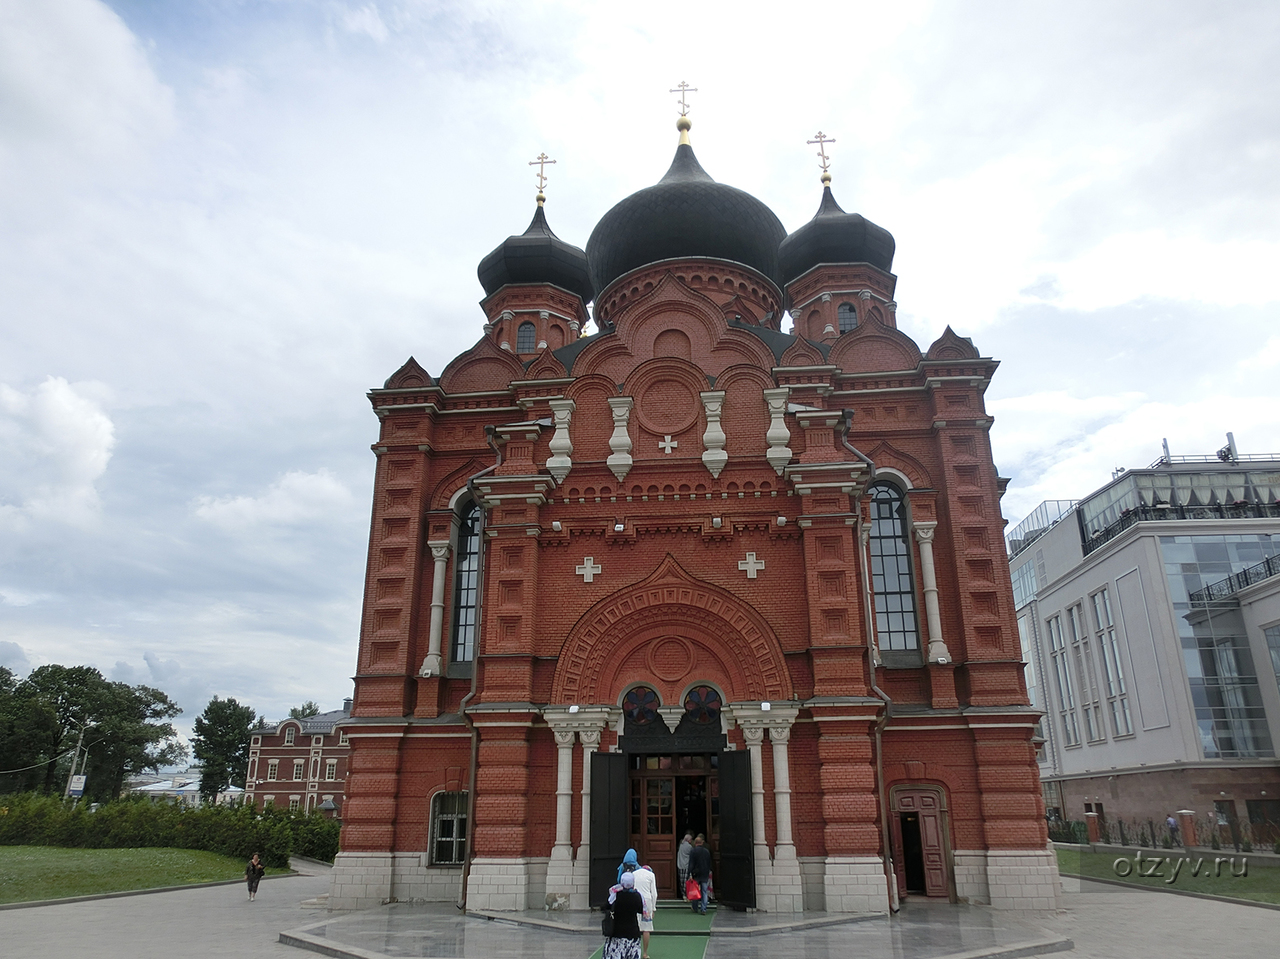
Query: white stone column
column 561, row 446
column 777, row 436
column 590, row 743
column 433, row 664
column 938, row 652
column 784, row 847
column 619, row 459
column 754, row 735
column 714, row 456
column 563, row 849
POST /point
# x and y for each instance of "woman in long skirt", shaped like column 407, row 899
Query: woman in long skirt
column 627, row 907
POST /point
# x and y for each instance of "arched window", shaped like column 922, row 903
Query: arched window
column 847, row 317
column 891, row 579
column 466, row 582
column 448, row 828
column 526, row 336
column 640, row 706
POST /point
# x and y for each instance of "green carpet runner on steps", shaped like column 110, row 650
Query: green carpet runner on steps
column 678, row 932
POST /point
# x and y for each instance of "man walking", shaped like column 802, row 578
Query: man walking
column 682, row 862
column 700, row 871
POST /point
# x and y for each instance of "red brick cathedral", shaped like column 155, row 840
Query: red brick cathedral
column 692, row 572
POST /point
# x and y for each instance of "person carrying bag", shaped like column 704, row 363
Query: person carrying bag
column 621, row 924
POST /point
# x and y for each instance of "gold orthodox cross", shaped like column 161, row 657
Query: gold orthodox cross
column 541, row 164
column 682, row 89
column 822, row 140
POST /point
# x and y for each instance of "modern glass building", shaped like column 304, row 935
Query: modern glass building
column 1149, row 613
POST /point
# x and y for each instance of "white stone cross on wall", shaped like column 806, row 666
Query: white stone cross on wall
column 668, row 444
column 751, row 565
column 588, row 569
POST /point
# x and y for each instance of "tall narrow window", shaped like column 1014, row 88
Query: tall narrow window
column 847, row 317
column 1082, row 652
column 1062, row 682
column 891, row 579
column 466, row 581
column 289, row 735
column 526, row 336
column 1112, row 667
column 448, row 828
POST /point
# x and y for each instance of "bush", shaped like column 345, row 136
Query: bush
column 29, row 819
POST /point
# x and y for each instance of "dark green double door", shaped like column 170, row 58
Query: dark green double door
column 647, row 802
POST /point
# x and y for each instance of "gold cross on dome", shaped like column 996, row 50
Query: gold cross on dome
column 541, row 164
column 822, row 140
column 682, row 89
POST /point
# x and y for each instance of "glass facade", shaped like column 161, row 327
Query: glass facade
column 1024, row 584
column 1215, row 648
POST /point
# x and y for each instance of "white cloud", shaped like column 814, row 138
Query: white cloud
column 14, row 657
column 75, row 84
column 364, row 20
column 297, row 498
column 55, row 444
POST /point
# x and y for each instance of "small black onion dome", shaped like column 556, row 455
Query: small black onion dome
column 686, row 213
column 536, row 256
column 834, row 236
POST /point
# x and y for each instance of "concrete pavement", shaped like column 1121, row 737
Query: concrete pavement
column 201, row 923
column 1105, row 922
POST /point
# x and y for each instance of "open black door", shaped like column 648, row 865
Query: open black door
column 609, row 834
column 735, row 880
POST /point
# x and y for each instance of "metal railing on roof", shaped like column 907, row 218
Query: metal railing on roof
column 1213, row 458
column 1228, row 587
column 1093, row 540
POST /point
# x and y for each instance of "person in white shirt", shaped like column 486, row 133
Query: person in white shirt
column 647, row 886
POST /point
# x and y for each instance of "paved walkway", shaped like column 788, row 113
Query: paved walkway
column 213, row 922
column 1105, row 922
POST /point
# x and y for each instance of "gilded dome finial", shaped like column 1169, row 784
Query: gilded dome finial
column 684, row 124
column 822, row 140
column 541, row 164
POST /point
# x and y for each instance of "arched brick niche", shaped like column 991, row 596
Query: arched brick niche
column 671, row 630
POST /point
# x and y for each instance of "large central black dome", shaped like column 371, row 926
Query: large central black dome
column 685, row 214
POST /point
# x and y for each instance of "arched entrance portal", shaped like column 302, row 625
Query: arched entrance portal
column 683, row 650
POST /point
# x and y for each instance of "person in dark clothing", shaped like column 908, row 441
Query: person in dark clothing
column 700, row 870
column 627, row 906
column 253, row 875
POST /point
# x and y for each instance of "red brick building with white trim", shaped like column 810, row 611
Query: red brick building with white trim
column 300, row 764
column 692, row 572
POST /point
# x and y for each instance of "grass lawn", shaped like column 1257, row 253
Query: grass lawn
column 1261, row 883
column 28, row 873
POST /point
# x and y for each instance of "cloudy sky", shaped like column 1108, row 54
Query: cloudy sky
column 222, row 221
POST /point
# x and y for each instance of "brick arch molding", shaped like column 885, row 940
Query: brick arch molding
column 735, row 648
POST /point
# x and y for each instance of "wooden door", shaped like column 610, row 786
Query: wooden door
column 735, row 881
column 926, row 806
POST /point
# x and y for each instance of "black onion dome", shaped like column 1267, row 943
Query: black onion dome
column 684, row 214
column 536, row 256
column 834, row 236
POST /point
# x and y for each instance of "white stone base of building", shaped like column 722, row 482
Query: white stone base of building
column 507, row 885
column 1024, row 879
column 779, row 887
column 363, row 879
column 567, row 884
column 360, row 879
column 855, row 884
column 812, row 871
column 1009, row 878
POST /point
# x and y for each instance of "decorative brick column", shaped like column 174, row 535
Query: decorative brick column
column 853, row 880
column 1187, row 827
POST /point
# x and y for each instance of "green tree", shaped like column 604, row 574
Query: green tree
column 28, row 736
column 221, row 745
column 305, row 711
column 125, row 727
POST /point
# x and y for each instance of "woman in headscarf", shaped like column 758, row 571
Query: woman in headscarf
column 626, row 905
column 630, row 859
